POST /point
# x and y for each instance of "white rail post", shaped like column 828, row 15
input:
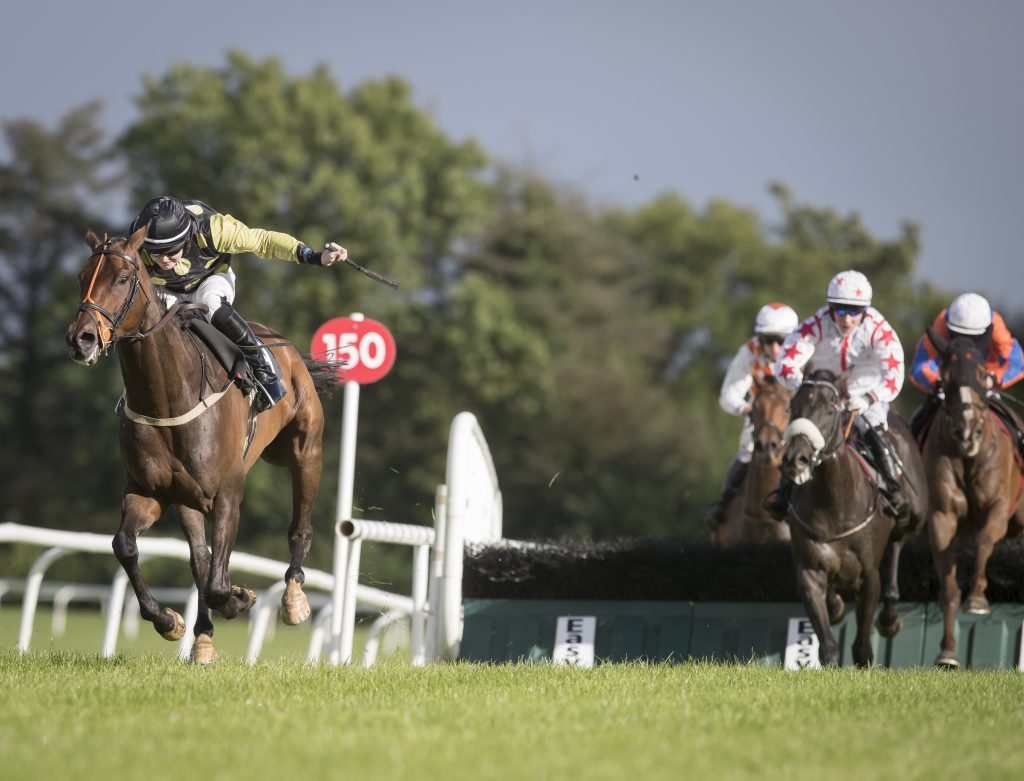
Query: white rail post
column 31, row 599
column 342, row 551
column 191, row 614
column 115, row 609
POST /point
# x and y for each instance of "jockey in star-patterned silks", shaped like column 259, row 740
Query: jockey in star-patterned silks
column 755, row 359
column 850, row 335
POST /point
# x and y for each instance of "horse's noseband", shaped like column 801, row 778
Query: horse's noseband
column 108, row 333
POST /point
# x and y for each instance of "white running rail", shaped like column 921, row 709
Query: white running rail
column 62, row 543
column 467, row 509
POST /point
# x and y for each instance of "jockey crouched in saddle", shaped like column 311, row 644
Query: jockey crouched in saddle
column 755, row 359
column 188, row 252
column 850, row 335
column 970, row 314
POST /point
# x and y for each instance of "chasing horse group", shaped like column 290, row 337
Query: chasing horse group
column 823, row 461
column 854, row 479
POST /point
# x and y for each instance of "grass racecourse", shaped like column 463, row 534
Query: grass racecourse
column 66, row 714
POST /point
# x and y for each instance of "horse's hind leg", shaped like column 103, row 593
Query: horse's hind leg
column 226, row 599
column 192, row 526
column 889, row 621
column 305, row 464
column 138, row 513
column 993, row 530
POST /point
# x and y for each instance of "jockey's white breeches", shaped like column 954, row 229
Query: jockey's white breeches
column 745, row 452
column 876, row 415
column 212, row 291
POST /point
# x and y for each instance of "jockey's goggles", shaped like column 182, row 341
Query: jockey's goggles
column 155, row 252
column 847, row 310
column 771, row 338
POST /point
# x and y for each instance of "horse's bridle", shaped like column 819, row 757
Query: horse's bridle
column 821, row 454
column 107, row 332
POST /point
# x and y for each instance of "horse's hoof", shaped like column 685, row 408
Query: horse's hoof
column 245, row 595
column 203, row 651
column 178, row 631
column 947, row 661
column 889, row 628
column 977, row 606
column 294, row 605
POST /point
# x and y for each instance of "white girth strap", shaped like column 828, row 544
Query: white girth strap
column 192, row 414
column 805, row 427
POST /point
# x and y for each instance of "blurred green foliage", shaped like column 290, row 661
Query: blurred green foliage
column 590, row 343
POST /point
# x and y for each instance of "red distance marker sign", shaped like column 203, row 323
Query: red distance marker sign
column 366, row 348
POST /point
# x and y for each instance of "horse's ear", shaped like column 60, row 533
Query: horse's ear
column 136, row 239
column 937, row 341
column 92, row 239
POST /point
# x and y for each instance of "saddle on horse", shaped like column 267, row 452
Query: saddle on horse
column 249, row 364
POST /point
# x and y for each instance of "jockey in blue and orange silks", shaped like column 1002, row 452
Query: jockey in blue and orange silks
column 850, row 336
column 972, row 315
column 969, row 314
column 754, row 360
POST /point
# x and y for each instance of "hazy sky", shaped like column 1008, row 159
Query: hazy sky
column 897, row 109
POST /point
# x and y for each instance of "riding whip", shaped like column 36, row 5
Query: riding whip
column 371, row 274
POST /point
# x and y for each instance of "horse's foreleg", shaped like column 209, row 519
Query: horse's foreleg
column 813, row 585
column 941, row 530
column 889, row 621
column 867, row 600
column 138, row 513
column 305, row 467
column 994, row 529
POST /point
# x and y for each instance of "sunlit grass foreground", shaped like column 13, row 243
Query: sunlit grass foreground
column 71, row 715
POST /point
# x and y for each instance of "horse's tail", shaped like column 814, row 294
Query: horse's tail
column 326, row 375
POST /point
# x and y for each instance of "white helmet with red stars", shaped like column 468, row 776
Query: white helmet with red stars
column 849, row 287
column 776, row 319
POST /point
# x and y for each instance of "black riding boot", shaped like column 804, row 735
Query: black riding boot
column 734, row 476
column 261, row 360
column 776, row 504
column 885, row 459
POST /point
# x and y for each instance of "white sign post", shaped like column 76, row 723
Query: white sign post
column 574, row 641
column 367, row 351
column 801, row 646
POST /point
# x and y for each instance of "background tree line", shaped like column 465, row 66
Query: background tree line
column 590, row 342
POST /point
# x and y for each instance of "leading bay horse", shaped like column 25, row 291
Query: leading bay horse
column 840, row 524
column 183, row 441
column 974, row 478
column 746, row 520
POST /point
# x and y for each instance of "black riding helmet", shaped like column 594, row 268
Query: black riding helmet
column 169, row 224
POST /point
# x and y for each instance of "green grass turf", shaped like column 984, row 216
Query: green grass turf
column 70, row 715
